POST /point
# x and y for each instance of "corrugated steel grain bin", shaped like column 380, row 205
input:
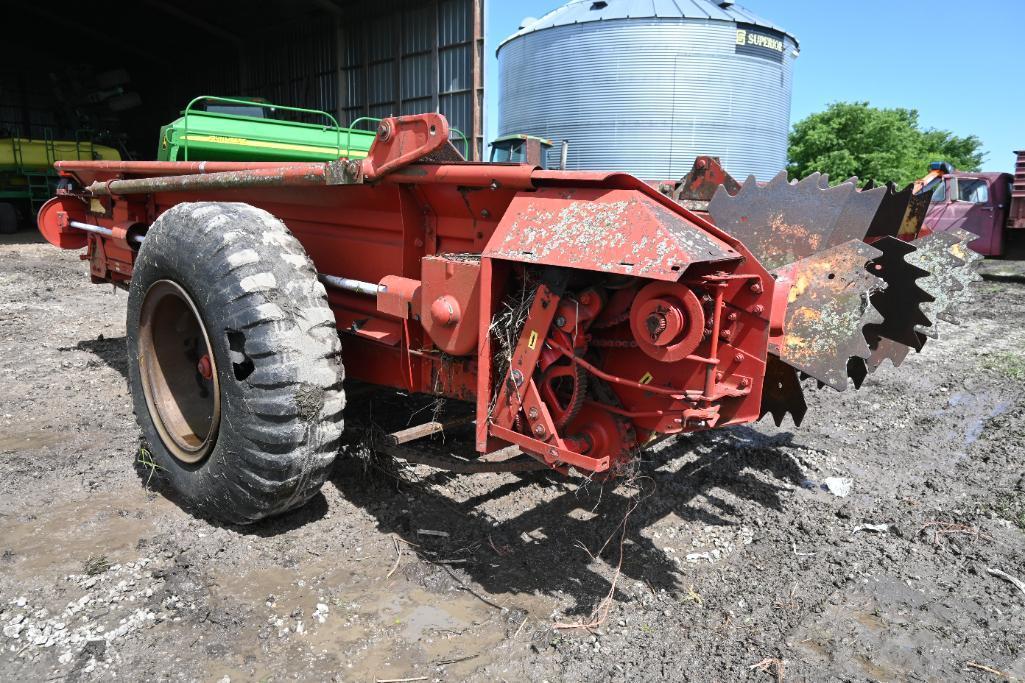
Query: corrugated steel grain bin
column 644, row 86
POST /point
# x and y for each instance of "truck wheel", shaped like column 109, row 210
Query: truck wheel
column 8, row 218
column 234, row 361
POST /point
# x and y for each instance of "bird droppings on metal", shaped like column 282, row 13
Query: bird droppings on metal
column 617, row 232
column 828, row 307
column 951, row 268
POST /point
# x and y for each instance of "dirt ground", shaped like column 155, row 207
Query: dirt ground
column 738, row 562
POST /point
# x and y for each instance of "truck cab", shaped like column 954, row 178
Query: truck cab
column 521, row 149
column 976, row 202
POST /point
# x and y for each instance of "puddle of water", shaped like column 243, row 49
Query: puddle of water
column 978, row 408
column 882, row 632
column 375, row 627
column 975, row 428
column 30, row 440
column 55, row 540
column 426, row 617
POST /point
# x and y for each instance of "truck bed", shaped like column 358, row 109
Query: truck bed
column 1016, row 214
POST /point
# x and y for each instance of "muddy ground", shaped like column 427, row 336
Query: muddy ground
column 735, row 555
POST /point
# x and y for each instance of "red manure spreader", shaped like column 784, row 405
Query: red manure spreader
column 584, row 315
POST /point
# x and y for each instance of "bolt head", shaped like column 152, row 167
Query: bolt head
column 204, row 367
column 539, row 430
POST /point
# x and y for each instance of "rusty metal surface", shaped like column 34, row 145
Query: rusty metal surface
column 783, row 222
column 857, row 215
column 282, row 175
column 617, row 231
column 965, row 275
column 887, row 350
column 702, row 181
column 401, row 140
column 782, row 393
column 149, row 168
column 827, row 309
column 914, row 217
column 938, row 254
column 890, row 214
column 900, row 214
column 453, row 464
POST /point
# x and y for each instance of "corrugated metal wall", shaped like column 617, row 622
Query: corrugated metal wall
column 298, row 68
column 426, row 56
column 347, row 57
column 409, row 58
column 648, row 95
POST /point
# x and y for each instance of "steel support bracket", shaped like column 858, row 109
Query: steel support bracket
column 344, row 172
column 403, row 140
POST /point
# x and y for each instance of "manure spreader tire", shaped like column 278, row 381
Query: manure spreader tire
column 234, row 362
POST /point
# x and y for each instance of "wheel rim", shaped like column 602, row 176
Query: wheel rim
column 179, row 372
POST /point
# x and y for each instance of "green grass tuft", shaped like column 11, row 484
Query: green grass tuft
column 96, row 564
column 1011, row 365
column 145, row 458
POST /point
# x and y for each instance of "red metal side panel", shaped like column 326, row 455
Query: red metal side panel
column 611, row 231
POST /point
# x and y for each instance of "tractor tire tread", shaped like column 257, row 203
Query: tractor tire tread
column 281, row 378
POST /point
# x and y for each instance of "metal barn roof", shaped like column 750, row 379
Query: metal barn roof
column 584, row 11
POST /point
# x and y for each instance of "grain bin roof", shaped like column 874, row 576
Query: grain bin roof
column 585, row 11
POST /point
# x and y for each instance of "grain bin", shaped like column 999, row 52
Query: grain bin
column 644, row 86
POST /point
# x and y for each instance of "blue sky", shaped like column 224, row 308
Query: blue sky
column 952, row 61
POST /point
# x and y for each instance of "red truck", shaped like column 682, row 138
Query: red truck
column 982, row 203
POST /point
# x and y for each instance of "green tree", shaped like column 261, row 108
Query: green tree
column 854, row 139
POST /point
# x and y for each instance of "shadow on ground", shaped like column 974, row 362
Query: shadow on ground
column 548, row 548
column 110, row 350
column 27, row 234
